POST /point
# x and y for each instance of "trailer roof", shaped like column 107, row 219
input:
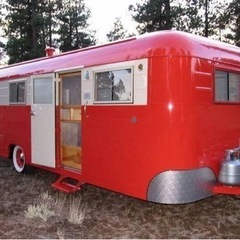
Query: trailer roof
column 162, row 43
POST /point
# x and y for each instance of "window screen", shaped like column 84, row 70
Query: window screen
column 113, row 86
column 227, row 86
column 71, row 134
column 71, row 90
column 17, row 92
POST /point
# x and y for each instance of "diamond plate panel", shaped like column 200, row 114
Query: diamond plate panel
column 185, row 186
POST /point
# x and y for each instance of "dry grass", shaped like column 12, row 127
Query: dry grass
column 49, row 206
column 108, row 215
column 39, row 211
column 76, row 211
column 60, row 233
column 42, row 210
column 59, row 202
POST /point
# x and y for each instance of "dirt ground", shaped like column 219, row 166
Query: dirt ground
column 106, row 214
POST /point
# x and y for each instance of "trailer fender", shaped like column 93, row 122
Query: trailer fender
column 181, row 186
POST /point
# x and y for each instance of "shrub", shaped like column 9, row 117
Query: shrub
column 76, row 211
column 49, row 206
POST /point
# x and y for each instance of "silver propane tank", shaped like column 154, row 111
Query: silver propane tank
column 230, row 168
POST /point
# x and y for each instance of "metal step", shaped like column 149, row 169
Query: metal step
column 67, row 185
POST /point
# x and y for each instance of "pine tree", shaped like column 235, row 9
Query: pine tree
column 24, row 30
column 233, row 20
column 2, row 45
column 210, row 12
column 118, row 31
column 153, row 15
column 73, row 26
column 35, row 24
column 50, row 24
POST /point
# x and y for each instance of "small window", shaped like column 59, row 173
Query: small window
column 42, row 91
column 17, row 92
column 227, row 86
column 114, row 86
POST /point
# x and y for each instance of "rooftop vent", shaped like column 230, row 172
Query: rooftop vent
column 49, row 51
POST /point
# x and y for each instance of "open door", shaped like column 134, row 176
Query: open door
column 43, row 121
column 70, row 120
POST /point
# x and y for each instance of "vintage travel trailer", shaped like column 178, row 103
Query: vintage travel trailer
column 150, row 117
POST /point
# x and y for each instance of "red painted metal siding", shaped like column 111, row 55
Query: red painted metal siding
column 124, row 156
column 15, row 129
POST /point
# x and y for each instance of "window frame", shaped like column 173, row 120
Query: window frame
column 228, row 72
column 118, row 102
column 17, row 83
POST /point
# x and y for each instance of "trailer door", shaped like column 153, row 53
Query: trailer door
column 43, row 121
column 70, row 120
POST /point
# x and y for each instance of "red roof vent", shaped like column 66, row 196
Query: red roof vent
column 49, row 51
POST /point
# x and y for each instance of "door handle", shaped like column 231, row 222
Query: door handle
column 33, row 113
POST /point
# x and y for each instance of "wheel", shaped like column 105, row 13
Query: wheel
column 18, row 159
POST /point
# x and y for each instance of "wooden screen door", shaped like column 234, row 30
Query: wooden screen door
column 70, row 114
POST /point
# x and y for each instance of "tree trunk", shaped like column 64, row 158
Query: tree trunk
column 206, row 19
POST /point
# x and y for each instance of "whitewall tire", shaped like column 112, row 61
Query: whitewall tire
column 19, row 159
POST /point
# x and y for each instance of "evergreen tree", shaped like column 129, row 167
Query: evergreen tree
column 35, row 24
column 24, row 30
column 202, row 17
column 152, row 15
column 1, row 30
column 73, row 33
column 209, row 15
column 118, row 31
column 233, row 20
column 49, row 16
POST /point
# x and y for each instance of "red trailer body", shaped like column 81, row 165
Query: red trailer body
column 148, row 117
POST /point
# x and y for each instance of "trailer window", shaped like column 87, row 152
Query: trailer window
column 227, row 86
column 113, row 86
column 42, row 91
column 17, row 92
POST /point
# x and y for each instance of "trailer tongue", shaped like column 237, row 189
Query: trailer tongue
column 229, row 174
